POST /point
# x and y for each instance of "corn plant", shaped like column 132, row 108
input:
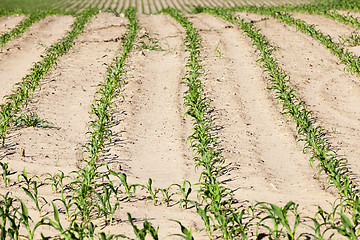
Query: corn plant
column 57, row 181
column 147, row 228
column 10, row 224
column 67, row 202
column 28, row 180
column 40, row 202
column 167, row 195
column 280, row 219
column 123, row 178
column 184, row 192
column 30, row 120
column 152, row 192
column 105, row 206
column 5, row 173
column 26, row 221
column 31, row 82
column 187, row 234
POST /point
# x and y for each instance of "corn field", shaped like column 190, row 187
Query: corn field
column 180, row 119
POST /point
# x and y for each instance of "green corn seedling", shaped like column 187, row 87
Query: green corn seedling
column 185, row 190
column 147, row 228
column 152, row 192
column 5, row 173
column 187, row 234
column 40, row 202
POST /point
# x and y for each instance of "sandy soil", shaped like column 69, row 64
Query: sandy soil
column 66, row 95
column 18, row 56
column 150, row 131
column 151, row 119
column 321, row 82
column 338, row 31
column 265, row 161
column 7, row 23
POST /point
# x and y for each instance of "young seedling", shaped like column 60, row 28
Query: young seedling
column 28, row 180
column 57, row 181
column 147, row 228
column 26, row 221
column 185, row 192
column 147, row 42
column 30, row 120
column 280, row 219
column 33, row 194
column 167, row 195
column 123, row 178
column 217, row 51
column 187, row 234
column 152, row 192
column 105, row 206
column 5, row 173
column 8, row 215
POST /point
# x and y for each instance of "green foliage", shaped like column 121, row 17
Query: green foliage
column 312, row 136
column 147, row 228
column 30, row 82
column 351, row 40
column 216, row 212
column 187, row 234
column 26, row 5
column 5, row 173
column 25, row 24
column 30, row 120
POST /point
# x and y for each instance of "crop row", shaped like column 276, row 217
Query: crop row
column 345, row 56
column 335, row 168
column 92, row 191
column 88, row 197
column 312, row 136
column 30, row 82
column 26, row 23
column 216, row 206
column 155, row 6
column 20, row 97
column 217, row 212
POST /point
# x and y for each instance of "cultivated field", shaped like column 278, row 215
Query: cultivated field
column 223, row 123
column 154, row 6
